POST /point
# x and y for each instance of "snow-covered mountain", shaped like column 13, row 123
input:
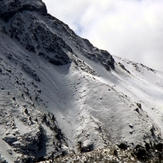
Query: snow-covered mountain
column 61, row 95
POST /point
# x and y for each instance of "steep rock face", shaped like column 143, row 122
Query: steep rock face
column 10, row 7
column 28, row 133
column 41, row 40
column 80, row 45
column 49, row 37
column 36, row 37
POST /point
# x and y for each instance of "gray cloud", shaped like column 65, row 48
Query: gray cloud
column 131, row 29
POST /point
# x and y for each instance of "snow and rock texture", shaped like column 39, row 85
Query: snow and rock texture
column 61, row 95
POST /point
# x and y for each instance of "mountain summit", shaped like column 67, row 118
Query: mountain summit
column 60, row 95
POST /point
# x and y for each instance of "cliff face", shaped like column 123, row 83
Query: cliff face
column 11, row 7
column 61, row 95
column 29, row 23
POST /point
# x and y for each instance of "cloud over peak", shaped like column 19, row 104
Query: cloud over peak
column 130, row 29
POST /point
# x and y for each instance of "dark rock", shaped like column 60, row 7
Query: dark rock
column 123, row 146
column 50, row 46
column 140, row 152
column 159, row 147
column 115, row 152
column 123, row 67
column 137, row 110
column 30, row 72
column 139, row 105
column 83, row 149
column 10, row 140
column 9, row 9
column 147, row 146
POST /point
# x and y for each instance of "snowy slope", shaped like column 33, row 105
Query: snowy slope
column 58, row 90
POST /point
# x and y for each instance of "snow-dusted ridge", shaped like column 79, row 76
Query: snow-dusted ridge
column 11, row 7
column 61, row 95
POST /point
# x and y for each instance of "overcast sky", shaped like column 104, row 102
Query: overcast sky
column 131, row 29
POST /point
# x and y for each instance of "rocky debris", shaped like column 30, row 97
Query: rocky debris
column 31, row 135
column 34, row 145
column 2, row 160
column 114, row 154
column 100, row 156
column 82, row 65
column 30, row 72
column 123, row 67
column 148, row 152
column 83, row 149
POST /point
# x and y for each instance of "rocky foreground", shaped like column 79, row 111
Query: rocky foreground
column 116, row 154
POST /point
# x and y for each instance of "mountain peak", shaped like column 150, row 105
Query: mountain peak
column 10, row 7
column 61, row 95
